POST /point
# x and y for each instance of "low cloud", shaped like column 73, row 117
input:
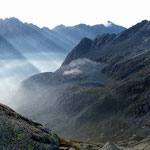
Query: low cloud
column 72, row 71
column 79, row 66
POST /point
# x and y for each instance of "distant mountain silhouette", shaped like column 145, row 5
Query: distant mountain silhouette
column 77, row 32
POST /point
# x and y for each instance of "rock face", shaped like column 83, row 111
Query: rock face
column 106, row 47
column 143, row 146
column 18, row 132
column 110, row 146
column 101, row 91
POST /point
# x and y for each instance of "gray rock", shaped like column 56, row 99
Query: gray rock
column 110, row 146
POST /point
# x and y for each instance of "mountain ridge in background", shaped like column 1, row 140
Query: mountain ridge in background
column 82, row 30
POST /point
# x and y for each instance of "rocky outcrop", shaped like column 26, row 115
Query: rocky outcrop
column 18, row 132
column 110, row 146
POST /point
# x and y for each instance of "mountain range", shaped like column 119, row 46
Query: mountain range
column 77, row 32
column 26, row 49
column 100, row 92
column 38, row 44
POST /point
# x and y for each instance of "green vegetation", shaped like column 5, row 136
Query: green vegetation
column 30, row 147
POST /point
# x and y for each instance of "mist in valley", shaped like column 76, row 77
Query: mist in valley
column 26, row 49
column 14, row 71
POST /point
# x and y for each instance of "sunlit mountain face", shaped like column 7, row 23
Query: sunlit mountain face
column 26, row 49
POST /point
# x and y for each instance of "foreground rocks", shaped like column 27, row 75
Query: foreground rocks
column 110, row 146
column 20, row 133
column 76, row 145
column 142, row 146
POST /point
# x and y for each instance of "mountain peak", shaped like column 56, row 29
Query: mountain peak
column 79, row 50
column 61, row 26
column 10, row 19
column 144, row 21
column 86, row 46
column 108, row 24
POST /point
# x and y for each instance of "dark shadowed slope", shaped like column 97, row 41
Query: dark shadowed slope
column 128, row 43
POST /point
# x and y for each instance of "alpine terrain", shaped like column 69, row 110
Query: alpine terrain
column 100, row 93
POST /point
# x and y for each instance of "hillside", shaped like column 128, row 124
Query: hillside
column 101, row 90
column 20, row 133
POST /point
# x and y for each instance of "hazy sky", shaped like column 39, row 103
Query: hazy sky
column 70, row 12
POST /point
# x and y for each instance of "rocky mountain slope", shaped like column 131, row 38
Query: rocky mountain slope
column 132, row 41
column 100, row 93
column 18, row 132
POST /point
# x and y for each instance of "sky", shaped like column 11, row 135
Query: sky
column 51, row 13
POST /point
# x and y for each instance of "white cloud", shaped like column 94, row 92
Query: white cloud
column 79, row 66
column 74, row 71
column 108, row 24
